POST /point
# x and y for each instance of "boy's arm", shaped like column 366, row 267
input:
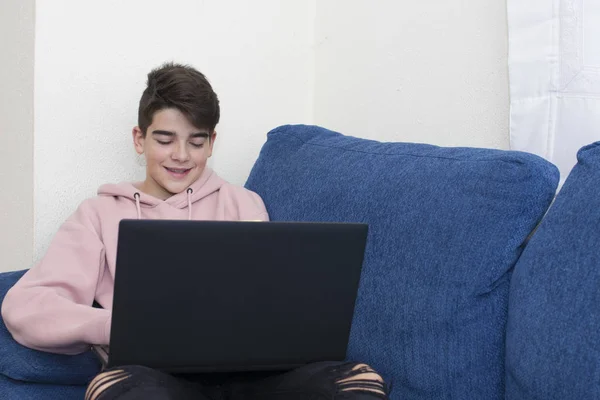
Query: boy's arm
column 49, row 309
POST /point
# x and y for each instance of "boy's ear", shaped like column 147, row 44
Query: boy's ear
column 212, row 138
column 138, row 140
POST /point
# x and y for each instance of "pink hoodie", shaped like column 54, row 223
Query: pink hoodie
column 49, row 309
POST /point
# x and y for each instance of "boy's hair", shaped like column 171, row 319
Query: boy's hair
column 183, row 88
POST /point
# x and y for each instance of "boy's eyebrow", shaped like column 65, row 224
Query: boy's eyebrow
column 163, row 133
column 169, row 133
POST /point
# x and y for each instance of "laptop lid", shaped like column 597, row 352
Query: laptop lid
column 214, row 296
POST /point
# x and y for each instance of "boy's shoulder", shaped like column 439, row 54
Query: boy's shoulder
column 93, row 207
column 240, row 193
column 248, row 203
column 237, row 189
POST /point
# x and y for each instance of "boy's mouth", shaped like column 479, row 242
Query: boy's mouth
column 178, row 172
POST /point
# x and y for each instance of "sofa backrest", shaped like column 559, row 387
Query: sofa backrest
column 446, row 226
column 553, row 331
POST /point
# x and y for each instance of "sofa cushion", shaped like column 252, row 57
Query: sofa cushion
column 17, row 390
column 553, row 331
column 446, row 226
column 21, row 363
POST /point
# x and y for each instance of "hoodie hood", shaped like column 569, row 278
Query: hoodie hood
column 208, row 183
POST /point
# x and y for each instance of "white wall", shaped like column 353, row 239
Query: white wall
column 16, row 133
column 90, row 68
column 422, row 71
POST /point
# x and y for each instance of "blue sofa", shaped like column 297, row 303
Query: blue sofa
column 458, row 298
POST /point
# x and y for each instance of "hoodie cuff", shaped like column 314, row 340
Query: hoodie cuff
column 107, row 327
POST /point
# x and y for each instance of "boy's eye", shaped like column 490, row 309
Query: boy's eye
column 163, row 142
column 198, row 145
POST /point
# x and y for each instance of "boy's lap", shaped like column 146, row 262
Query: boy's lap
column 313, row 381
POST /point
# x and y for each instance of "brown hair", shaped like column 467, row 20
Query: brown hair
column 183, row 88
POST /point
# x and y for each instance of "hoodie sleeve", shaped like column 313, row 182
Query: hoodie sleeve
column 50, row 307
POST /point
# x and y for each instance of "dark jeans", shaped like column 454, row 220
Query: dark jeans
column 326, row 380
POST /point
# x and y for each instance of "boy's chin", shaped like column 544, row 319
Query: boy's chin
column 177, row 187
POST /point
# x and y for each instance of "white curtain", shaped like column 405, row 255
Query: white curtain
column 554, row 66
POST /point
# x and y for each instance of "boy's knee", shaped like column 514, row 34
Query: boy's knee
column 102, row 382
column 362, row 378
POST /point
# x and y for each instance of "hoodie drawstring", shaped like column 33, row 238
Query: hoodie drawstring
column 189, row 193
column 137, row 205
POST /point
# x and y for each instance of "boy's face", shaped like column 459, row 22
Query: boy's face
column 176, row 152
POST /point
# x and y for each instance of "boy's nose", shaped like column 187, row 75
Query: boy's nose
column 180, row 153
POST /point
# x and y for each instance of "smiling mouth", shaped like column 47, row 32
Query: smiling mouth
column 178, row 172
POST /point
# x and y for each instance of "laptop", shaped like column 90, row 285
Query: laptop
column 215, row 296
